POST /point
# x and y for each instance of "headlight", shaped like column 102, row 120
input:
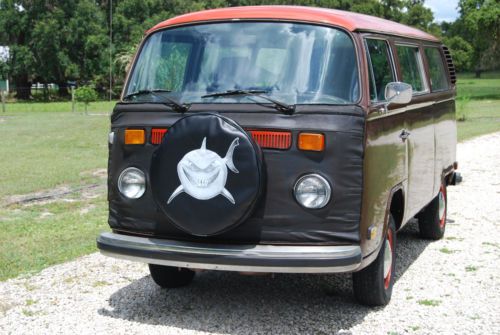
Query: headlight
column 312, row 191
column 132, row 183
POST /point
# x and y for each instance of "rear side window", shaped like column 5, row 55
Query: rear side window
column 439, row 81
column 379, row 67
column 411, row 67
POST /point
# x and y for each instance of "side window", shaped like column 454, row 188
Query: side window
column 411, row 67
column 439, row 81
column 380, row 69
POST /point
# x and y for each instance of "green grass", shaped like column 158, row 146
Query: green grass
column 482, row 117
column 429, row 302
column 45, row 107
column 478, row 104
column 36, row 236
column 477, row 89
column 471, row 268
column 484, row 75
column 446, row 250
column 30, row 302
column 43, row 150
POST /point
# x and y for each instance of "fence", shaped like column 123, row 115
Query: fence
column 9, row 104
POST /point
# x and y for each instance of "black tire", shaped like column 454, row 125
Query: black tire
column 170, row 277
column 432, row 219
column 372, row 286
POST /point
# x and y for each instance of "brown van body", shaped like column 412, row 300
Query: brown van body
column 406, row 174
column 385, row 161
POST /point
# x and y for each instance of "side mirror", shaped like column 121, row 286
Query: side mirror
column 398, row 93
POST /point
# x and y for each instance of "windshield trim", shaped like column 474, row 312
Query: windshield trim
column 197, row 23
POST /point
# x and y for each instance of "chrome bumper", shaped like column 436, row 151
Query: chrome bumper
column 246, row 258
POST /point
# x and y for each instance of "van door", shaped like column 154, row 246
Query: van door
column 420, row 126
column 385, row 163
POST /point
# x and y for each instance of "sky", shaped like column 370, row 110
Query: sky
column 444, row 10
column 4, row 53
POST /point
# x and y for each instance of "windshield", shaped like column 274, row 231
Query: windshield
column 294, row 63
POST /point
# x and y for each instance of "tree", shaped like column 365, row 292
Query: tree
column 480, row 21
column 86, row 94
column 417, row 15
column 53, row 41
column 13, row 33
column 87, row 44
column 461, row 52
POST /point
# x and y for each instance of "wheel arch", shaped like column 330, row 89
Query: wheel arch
column 396, row 207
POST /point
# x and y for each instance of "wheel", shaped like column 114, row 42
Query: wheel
column 373, row 285
column 169, row 276
column 432, row 219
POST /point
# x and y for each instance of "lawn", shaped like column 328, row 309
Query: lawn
column 43, row 107
column 45, row 147
column 481, row 117
column 39, row 235
column 44, row 151
column 478, row 103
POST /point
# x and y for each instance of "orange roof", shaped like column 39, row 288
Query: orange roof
column 348, row 20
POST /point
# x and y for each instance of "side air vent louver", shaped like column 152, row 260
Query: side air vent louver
column 451, row 67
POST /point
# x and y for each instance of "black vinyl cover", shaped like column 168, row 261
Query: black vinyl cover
column 206, row 175
column 276, row 218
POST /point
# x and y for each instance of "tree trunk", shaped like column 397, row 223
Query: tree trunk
column 63, row 90
column 45, row 92
column 478, row 73
column 23, row 87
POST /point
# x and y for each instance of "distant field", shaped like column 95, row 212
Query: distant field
column 44, row 107
column 482, row 117
column 43, row 149
column 479, row 88
column 484, row 75
column 478, row 101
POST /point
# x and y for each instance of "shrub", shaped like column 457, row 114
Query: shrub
column 86, row 94
column 462, row 102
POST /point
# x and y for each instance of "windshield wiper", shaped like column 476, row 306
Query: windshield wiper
column 175, row 105
column 282, row 107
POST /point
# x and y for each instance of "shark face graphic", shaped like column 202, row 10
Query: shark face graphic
column 203, row 173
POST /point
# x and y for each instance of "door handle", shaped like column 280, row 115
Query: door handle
column 404, row 134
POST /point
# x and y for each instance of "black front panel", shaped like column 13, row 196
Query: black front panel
column 277, row 217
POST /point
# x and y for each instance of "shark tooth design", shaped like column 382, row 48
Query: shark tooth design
column 203, row 173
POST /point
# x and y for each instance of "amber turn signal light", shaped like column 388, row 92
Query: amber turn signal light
column 311, row 142
column 135, row 136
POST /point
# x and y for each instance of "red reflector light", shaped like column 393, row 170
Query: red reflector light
column 157, row 135
column 272, row 139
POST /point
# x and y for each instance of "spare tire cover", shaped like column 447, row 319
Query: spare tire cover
column 206, row 175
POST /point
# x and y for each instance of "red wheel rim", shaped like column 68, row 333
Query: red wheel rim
column 442, row 207
column 388, row 259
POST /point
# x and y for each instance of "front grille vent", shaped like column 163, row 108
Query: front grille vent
column 272, row 139
column 157, row 135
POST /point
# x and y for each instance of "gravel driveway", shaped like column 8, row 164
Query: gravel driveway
column 451, row 286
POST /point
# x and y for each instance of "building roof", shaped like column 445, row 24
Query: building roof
column 347, row 20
